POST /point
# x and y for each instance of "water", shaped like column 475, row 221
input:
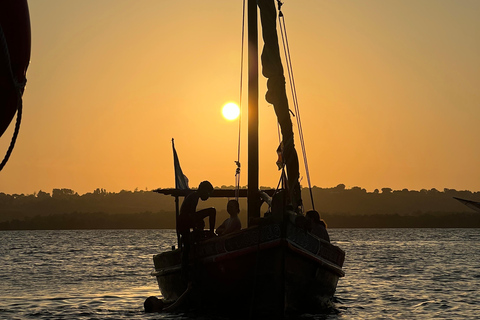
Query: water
column 104, row 274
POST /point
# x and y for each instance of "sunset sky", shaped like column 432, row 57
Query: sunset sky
column 388, row 91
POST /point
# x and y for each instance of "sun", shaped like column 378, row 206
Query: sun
column 230, row 111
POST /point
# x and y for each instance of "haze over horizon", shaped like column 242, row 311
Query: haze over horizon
column 388, row 95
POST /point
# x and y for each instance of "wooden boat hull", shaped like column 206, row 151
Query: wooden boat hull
column 260, row 271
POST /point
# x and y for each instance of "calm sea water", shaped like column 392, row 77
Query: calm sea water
column 104, row 274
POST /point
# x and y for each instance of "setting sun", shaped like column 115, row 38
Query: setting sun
column 231, row 111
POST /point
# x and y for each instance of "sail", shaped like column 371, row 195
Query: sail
column 181, row 180
column 276, row 94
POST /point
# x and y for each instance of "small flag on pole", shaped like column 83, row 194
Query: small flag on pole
column 181, row 181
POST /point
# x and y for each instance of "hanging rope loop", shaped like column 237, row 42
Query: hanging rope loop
column 19, row 88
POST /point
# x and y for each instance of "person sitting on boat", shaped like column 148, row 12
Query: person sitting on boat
column 233, row 223
column 318, row 226
column 189, row 217
column 277, row 210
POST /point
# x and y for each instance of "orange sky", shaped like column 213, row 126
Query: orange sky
column 388, row 93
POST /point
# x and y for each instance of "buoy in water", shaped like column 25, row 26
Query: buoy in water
column 153, row 304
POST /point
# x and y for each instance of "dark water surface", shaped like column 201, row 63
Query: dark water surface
column 105, row 274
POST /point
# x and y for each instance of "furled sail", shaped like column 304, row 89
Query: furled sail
column 276, row 94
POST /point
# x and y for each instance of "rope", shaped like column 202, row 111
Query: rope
column 19, row 86
column 237, row 162
column 15, row 134
column 286, row 48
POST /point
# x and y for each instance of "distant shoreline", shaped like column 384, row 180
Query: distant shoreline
column 165, row 220
column 340, row 207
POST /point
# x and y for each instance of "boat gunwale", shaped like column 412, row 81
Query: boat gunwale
column 271, row 244
column 228, row 255
column 294, row 247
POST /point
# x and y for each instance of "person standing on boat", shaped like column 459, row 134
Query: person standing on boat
column 233, row 223
column 189, row 217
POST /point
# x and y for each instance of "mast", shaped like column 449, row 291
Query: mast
column 253, row 199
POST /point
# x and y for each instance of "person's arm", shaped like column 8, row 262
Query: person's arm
column 221, row 228
column 265, row 197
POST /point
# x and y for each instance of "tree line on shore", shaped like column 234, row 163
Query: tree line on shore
column 341, row 207
column 166, row 220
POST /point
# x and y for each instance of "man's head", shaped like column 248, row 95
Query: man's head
column 205, row 189
column 313, row 215
column 233, row 207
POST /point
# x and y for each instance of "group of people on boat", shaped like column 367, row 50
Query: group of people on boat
column 192, row 219
column 191, row 225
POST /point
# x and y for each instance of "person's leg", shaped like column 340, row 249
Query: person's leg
column 185, row 257
column 208, row 212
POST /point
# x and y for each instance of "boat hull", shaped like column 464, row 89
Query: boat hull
column 260, row 271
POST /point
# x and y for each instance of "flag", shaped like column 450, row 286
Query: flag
column 181, row 181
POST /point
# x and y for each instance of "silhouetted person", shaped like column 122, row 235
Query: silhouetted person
column 319, row 227
column 233, row 223
column 189, row 216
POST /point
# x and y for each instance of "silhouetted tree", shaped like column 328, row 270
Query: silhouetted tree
column 43, row 195
column 63, row 193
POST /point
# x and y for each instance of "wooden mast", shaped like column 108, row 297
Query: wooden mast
column 253, row 199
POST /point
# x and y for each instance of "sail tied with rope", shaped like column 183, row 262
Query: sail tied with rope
column 276, row 94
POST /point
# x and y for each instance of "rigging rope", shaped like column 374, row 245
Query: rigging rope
column 19, row 86
column 237, row 171
column 286, row 48
column 15, row 134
